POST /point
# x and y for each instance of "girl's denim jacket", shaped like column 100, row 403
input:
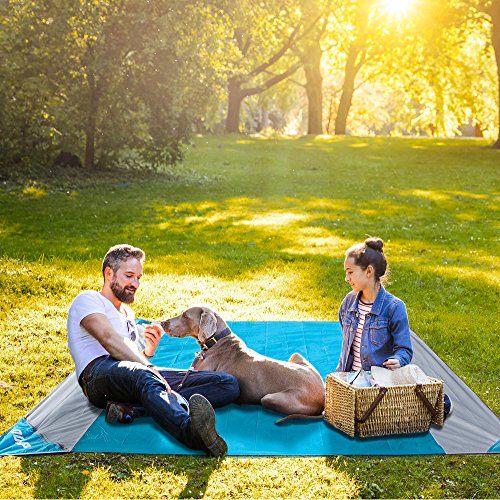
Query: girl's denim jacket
column 386, row 332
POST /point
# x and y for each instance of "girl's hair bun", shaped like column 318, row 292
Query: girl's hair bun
column 375, row 244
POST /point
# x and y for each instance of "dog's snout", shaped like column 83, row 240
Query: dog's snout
column 165, row 325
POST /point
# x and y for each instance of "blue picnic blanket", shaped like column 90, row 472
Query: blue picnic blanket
column 65, row 421
column 251, row 430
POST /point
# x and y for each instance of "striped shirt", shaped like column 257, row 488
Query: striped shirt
column 363, row 310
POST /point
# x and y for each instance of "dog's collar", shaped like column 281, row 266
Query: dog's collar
column 214, row 339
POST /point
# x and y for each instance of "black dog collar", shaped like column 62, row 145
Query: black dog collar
column 214, row 339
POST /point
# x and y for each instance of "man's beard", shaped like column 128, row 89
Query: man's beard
column 121, row 293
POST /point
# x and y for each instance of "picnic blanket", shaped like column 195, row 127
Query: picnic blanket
column 65, row 421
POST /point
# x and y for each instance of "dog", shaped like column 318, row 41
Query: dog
column 294, row 387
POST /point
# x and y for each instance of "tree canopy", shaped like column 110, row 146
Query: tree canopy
column 109, row 78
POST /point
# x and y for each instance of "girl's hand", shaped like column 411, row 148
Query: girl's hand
column 391, row 364
column 152, row 336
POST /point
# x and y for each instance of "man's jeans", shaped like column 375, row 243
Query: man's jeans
column 129, row 382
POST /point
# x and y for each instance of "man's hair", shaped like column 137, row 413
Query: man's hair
column 120, row 253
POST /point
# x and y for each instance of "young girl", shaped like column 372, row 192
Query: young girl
column 375, row 329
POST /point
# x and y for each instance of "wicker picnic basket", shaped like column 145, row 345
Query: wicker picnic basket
column 377, row 411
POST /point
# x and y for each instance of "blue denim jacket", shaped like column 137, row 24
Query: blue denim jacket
column 386, row 332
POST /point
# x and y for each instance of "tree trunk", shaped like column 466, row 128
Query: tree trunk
column 351, row 71
column 314, row 81
column 90, row 130
column 495, row 21
column 235, row 98
column 440, row 113
column 264, row 122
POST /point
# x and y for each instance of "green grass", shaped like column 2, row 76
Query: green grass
column 257, row 228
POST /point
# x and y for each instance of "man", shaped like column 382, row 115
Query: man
column 110, row 368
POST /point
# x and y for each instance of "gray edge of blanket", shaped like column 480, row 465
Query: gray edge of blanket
column 472, row 427
column 64, row 417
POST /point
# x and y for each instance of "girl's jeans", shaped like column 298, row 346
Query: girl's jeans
column 107, row 379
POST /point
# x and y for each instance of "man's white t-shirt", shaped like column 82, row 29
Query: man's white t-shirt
column 83, row 347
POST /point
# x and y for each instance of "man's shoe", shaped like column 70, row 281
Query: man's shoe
column 118, row 413
column 203, row 426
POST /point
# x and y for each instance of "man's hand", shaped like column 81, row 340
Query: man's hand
column 101, row 329
column 391, row 364
column 152, row 336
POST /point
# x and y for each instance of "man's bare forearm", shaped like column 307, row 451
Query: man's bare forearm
column 118, row 347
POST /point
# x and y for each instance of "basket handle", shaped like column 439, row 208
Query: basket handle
column 427, row 403
column 376, row 401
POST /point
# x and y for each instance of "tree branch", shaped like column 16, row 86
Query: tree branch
column 292, row 40
column 271, row 82
column 361, row 60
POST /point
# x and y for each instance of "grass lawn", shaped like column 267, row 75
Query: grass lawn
column 257, row 228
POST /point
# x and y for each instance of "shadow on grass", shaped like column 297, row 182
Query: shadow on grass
column 68, row 475
column 424, row 477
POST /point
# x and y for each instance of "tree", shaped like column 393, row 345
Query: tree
column 430, row 61
column 260, row 36
column 368, row 38
column 447, row 69
column 314, row 14
column 355, row 59
column 265, row 37
column 493, row 10
column 470, row 19
column 134, row 68
column 27, row 128
column 102, row 77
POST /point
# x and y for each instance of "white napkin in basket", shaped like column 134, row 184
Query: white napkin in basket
column 407, row 375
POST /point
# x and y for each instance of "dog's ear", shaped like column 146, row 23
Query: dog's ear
column 208, row 326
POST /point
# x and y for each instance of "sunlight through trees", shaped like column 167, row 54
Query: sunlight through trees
column 113, row 81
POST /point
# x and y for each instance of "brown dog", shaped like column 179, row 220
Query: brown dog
column 292, row 387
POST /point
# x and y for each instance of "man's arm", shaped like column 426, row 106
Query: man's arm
column 100, row 328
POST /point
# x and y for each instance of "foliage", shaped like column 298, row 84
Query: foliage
column 27, row 129
column 447, row 73
column 257, row 228
column 127, row 81
column 110, row 74
column 263, row 36
column 416, row 71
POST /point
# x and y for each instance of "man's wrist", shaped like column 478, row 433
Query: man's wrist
column 147, row 356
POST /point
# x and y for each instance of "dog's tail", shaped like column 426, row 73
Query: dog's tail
column 296, row 416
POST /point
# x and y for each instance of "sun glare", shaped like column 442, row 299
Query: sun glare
column 397, row 7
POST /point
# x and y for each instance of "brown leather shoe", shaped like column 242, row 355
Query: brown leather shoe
column 203, row 426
